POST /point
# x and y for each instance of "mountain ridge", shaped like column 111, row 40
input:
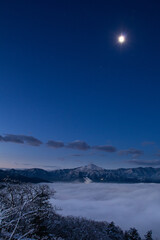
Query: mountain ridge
column 91, row 171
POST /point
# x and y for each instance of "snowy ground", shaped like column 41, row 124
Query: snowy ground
column 128, row 205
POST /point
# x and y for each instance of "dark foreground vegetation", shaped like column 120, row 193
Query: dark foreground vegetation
column 27, row 214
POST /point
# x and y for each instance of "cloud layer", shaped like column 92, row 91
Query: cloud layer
column 128, row 205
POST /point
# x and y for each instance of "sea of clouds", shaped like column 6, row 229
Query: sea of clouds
column 128, row 205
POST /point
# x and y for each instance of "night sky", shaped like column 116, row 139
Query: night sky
column 70, row 94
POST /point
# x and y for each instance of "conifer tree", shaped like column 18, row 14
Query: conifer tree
column 132, row 234
column 148, row 236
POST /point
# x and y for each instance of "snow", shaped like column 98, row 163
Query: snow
column 90, row 167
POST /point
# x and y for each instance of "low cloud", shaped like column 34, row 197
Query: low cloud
column 55, row 144
column 21, row 139
column 105, row 148
column 128, row 205
column 153, row 163
column 131, row 151
column 78, row 145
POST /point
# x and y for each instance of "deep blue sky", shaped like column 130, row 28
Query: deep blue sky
column 64, row 77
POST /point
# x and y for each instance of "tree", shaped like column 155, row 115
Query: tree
column 114, row 232
column 132, row 234
column 24, row 210
column 148, row 236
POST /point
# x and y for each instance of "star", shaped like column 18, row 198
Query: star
column 121, row 39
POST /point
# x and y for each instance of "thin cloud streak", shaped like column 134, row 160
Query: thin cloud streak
column 75, row 145
column 131, row 151
column 146, row 143
column 55, row 144
column 152, row 163
column 105, row 148
column 158, row 153
column 21, row 139
column 78, row 145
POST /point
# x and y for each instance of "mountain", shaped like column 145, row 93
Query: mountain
column 88, row 168
column 16, row 176
column 80, row 174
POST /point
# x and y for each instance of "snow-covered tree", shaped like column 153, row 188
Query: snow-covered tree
column 132, row 234
column 73, row 228
column 148, row 236
column 24, row 210
column 114, row 232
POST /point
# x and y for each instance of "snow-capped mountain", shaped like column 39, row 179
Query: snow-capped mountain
column 91, row 172
column 88, row 168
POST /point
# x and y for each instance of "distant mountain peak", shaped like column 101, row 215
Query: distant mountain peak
column 93, row 166
column 90, row 167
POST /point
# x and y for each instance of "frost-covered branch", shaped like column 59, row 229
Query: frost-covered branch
column 24, row 209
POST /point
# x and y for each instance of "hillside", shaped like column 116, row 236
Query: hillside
column 92, row 172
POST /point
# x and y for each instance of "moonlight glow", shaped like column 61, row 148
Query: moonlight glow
column 121, row 39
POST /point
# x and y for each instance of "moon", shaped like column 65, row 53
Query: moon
column 121, row 39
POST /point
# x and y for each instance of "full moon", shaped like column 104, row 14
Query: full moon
column 121, row 39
